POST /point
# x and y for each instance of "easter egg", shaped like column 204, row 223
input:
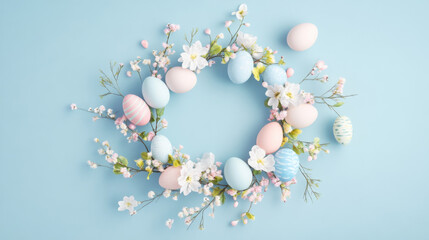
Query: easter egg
column 168, row 178
column 270, row 137
column 240, row 68
column 180, row 80
column 343, row 130
column 274, row 74
column 136, row 110
column 155, row 92
column 161, row 148
column 237, row 174
column 301, row 116
column 287, row 164
column 302, row 36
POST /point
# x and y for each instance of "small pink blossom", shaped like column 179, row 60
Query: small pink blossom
column 228, row 24
column 232, row 55
column 169, row 223
column 129, row 74
column 208, row 31
column 264, row 84
column 120, row 120
column 245, row 221
column 164, row 45
column 95, row 118
column 235, row 204
column 73, row 106
column 234, row 223
column 150, row 136
column 321, row 65
column 234, row 47
column 125, row 172
column 164, row 123
column 166, row 31
column 290, row 72
column 247, row 24
column 135, row 137
column 145, row 43
column 131, row 126
column 211, row 62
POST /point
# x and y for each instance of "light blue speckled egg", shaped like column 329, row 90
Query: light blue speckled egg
column 237, row 173
column 343, row 130
column 155, row 92
column 274, row 75
column 287, row 164
column 240, row 68
column 161, row 148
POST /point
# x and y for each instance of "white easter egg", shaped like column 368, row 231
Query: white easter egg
column 301, row 116
column 240, row 68
column 302, row 36
column 343, row 130
column 237, row 174
column 155, row 92
column 161, row 148
column 180, row 80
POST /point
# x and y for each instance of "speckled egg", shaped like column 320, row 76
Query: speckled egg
column 136, row 110
column 301, row 116
column 287, row 164
column 240, row 68
column 161, row 148
column 168, row 178
column 274, row 75
column 237, row 174
column 155, row 92
column 343, row 130
column 302, row 36
column 180, row 80
column 270, row 137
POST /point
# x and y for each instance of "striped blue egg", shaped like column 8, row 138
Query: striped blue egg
column 343, row 130
column 274, row 75
column 161, row 148
column 287, row 164
column 240, row 68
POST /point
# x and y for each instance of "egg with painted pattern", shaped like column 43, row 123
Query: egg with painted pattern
column 343, row 130
column 136, row 110
column 161, row 148
column 237, row 173
column 240, row 68
column 274, row 74
column 155, row 92
column 287, row 164
column 169, row 178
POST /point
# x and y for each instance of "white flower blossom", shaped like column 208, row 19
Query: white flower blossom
column 276, row 95
column 242, row 12
column 189, row 178
column 135, row 65
column 246, row 40
column 128, row 203
column 192, row 57
column 259, row 161
column 169, row 223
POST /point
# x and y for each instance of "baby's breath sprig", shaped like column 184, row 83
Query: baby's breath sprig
column 311, row 184
column 112, row 87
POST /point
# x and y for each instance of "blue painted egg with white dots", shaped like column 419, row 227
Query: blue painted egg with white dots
column 287, row 164
column 274, row 75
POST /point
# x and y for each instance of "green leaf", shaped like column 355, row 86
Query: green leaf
column 215, row 49
column 122, row 160
column 139, row 163
column 217, row 179
column 170, row 159
column 116, row 170
column 160, row 112
column 338, row 104
column 145, row 156
column 256, row 172
column 143, row 134
column 266, row 103
column 297, row 150
column 152, row 118
column 216, row 191
column 250, row 216
column 222, row 198
column 176, row 163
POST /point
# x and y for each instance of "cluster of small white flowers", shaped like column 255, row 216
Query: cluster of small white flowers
column 153, row 164
column 110, row 155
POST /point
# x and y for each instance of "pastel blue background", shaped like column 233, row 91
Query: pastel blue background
column 375, row 188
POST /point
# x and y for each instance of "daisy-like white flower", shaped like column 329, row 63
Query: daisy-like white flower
column 192, row 57
column 242, row 12
column 276, row 94
column 259, row 161
column 292, row 94
column 246, row 40
column 128, row 203
column 189, row 178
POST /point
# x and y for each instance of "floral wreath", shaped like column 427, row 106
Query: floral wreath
column 274, row 158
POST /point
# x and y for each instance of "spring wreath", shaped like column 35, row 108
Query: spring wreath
column 274, row 159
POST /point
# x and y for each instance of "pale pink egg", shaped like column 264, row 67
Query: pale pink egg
column 169, row 178
column 136, row 110
column 180, row 80
column 302, row 36
column 301, row 116
column 145, row 44
column 290, row 72
column 270, row 137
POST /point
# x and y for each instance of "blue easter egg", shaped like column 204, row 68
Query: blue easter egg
column 287, row 164
column 237, row 174
column 240, row 68
column 274, row 75
column 161, row 148
column 155, row 92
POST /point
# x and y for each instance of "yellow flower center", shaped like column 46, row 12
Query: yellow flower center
column 277, row 94
column 260, row 161
column 193, row 56
column 289, row 94
column 188, row 179
column 241, row 12
column 129, row 204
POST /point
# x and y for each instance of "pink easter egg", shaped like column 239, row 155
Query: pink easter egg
column 136, row 110
column 290, row 72
column 169, row 178
column 301, row 116
column 270, row 137
column 145, row 44
column 302, row 36
column 180, row 80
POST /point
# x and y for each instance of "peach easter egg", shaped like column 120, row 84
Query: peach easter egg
column 180, row 80
column 301, row 116
column 168, row 178
column 302, row 36
column 270, row 137
column 136, row 110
